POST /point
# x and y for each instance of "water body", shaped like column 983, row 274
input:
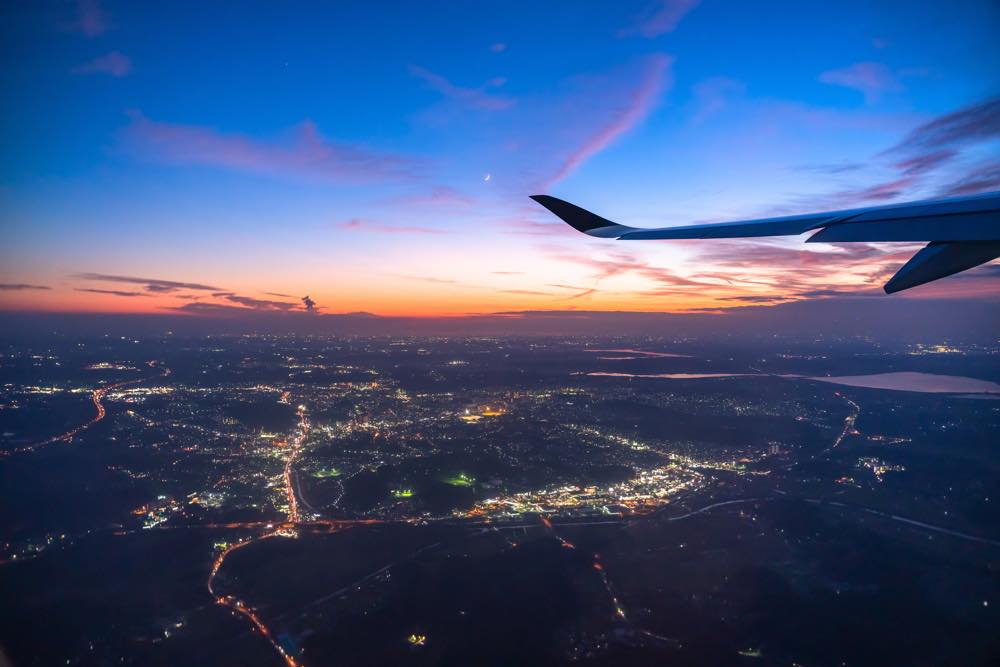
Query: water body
column 635, row 354
column 676, row 376
column 925, row 383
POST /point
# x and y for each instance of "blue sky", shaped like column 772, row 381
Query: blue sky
column 378, row 156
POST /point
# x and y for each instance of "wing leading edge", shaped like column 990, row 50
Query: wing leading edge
column 963, row 232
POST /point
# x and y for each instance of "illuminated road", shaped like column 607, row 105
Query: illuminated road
column 280, row 530
column 602, row 574
column 357, row 584
column 290, row 526
column 848, row 423
column 97, row 396
column 296, row 447
column 712, row 507
column 906, row 520
column 241, row 607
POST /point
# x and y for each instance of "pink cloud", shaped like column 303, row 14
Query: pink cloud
column 476, row 98
column 305, row 154
column 866, row 195
column 880, row 192
column 661, row 17
column 441, row 196
column 526, row 225
column 638, row 106
column 971, row 124
column 426, row 279
column 983, row 178
column 798, row 273
column 925, row 151
column 625, row 263
column 712, row 96
column 926, row 162
column 91, row 20
column 527, row 292
column 360, row 225
column 498, row 47
column 870, row 79
column 260, row 304
column 114, row 64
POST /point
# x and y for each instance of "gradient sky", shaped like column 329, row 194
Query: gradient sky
column 378, row 156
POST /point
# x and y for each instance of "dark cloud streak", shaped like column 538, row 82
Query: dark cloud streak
column 151, row 284
column 112, row 292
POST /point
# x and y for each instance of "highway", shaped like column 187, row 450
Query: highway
column 97, row 396
column 292, row 523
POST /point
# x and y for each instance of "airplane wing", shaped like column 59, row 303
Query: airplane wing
column 962, row 232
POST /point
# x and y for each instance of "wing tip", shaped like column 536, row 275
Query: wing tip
column 578, row 218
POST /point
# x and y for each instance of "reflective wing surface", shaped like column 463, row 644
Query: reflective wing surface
column 962, row 232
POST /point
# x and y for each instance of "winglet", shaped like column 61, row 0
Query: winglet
column 939, row 259
column 582, row 220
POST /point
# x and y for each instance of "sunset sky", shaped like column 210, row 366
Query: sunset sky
column 378, row 156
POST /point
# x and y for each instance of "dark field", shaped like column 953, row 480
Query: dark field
column 312, row 501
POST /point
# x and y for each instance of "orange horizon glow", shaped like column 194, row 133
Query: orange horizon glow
column 443, row 301
column 570, row 272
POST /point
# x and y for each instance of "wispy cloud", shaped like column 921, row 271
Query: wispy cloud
column 91, row 19
column 474, row 98
column 660, row 18
column 543, row 230
column 924, row 152
column 215, row 309
column 247, row 307
column 260, row 304
column 440, row 196
column 831, row 168
column 713, row 95
column 796, row 273
column 113, row 292
column 113, row 64
column 581, row 294
column 926, row 162
column 180, row 290
column 869, row 78
column 974, row 123
column 982, row 178
column 22, row 286
column 637, row 106
column 621, row 263
column 881, row 192
column 305, row 153
column 526, row 292
column 425, row 279
column 155, row 285
column 731, row 272
column 361, row 225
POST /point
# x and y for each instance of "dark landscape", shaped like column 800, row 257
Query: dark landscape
column 262, row 499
